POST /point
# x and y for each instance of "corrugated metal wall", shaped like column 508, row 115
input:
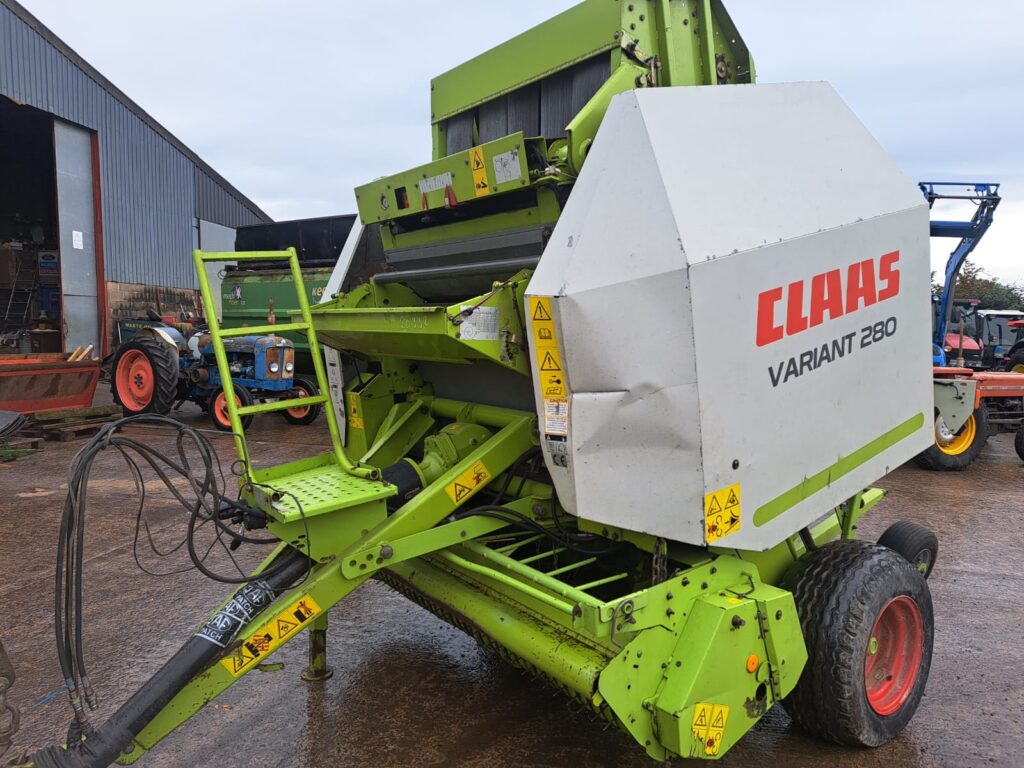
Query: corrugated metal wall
column 151, row 190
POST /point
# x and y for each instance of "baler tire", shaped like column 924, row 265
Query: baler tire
column 162, row 361
column 917, row 544
column 243, row 398
column 1018, row 442
column 936, row 459
column 307, row 415
column 842, row 592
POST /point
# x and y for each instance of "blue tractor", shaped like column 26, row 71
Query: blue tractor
column 157, row 368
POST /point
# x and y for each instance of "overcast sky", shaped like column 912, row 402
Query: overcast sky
column 298, row 102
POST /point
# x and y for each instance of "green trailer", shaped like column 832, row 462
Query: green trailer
column 251, row 297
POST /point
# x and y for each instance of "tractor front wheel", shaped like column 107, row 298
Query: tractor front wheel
column 219, row 408
column 306, row 414
column 1018, row 442
column 955, row 452
column 866, row 615
column 145, row 376
column 1016, row 363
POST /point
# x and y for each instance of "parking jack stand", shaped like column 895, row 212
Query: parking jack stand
column 318, row 669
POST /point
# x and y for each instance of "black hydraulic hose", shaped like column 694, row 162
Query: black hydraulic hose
column 107, row 742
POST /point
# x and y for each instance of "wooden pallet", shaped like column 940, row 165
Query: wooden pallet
column 69, row 425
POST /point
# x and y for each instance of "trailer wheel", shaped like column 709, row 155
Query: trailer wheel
column 1018, row 442
column 219, row 408
column 306, row 415
column 953, row 453
column 145, row 376
column 866, row 615
column 917, row 544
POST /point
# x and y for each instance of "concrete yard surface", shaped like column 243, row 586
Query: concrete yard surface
column 409, row 690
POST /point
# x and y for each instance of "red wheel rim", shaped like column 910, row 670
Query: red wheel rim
column 220, row 409
column 299, row 413
column 893, row 658
column 135, row 380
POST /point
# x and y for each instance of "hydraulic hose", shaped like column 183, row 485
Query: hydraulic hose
column 109, row 741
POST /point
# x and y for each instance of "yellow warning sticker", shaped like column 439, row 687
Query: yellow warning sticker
column 722, row 513
column 552, row 384
column 549, row 367
column 481, row 184
column 708, row 726
column 271, row 635
column 468, row 483
column 355, row 419
column 549, row 359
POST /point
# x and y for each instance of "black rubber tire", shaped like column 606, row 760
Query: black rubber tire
column 1016, row 359
column 303, row 382
column 163, row 359
column 934, row 459
column 1018, row 442
column 840, row 590
column 917, row 544
column 244, row 397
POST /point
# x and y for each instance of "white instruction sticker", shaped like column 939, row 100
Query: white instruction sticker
column 481, row 325
column 506, row 167
column 435, row 183
column 556, row 417
column 77, row 241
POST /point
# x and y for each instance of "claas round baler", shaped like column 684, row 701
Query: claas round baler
column 610, row 379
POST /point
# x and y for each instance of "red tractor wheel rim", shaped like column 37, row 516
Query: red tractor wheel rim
column 220, row 409
column 893, row 659
column 135, row 380
column 299, row 413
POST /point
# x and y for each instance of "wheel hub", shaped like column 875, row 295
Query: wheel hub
column 893, row 657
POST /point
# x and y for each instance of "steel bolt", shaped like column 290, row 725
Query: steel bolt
column 686, row 582
column 387, row 552
column 714, row 570
column 778, row 615
column 703, row 585
column 737, row 622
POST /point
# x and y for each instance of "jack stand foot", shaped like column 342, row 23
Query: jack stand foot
column 317, row 671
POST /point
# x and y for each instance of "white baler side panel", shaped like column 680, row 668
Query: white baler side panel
column 782, row 433
column 748, row 165
column 659, row 244
column 616, row 271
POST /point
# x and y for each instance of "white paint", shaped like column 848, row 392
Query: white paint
column 656, row 296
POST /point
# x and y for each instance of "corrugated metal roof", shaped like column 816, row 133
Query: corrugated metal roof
column 44, row 80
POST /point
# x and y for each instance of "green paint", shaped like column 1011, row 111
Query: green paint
column 829, row 475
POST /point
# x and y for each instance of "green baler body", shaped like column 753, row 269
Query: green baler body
column 684, row 647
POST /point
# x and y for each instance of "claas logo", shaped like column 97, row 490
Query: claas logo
column 785, row 310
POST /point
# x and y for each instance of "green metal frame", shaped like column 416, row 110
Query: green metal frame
column 685, row 661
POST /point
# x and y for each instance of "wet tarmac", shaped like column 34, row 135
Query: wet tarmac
column 409, row 690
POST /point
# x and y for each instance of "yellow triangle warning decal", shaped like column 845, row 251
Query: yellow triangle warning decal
column 478, row 159
column 461, row 491
column 702, row 720
column 732, row 501
column 540, row 313
column 719, row 721
column 239, row 660
column 549, row 363
column 714, row 507
column 285, row 627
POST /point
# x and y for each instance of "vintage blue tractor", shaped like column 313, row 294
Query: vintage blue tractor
column 157, row 368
